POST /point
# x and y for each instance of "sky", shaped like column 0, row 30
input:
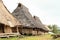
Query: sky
column 47, row 10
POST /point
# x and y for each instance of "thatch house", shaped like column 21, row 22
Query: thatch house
column 8, row 24
column 22, row 14
column 30, row 26
column 40, row 25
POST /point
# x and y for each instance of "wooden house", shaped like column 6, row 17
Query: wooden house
column 22, row 15
column 8, row 24
column 40, row 25
column 30, row 25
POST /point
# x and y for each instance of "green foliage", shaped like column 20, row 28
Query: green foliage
column 49, row 26
column 54, row 29
column 58, row 32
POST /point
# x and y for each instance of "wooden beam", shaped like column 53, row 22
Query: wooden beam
column 17, row 30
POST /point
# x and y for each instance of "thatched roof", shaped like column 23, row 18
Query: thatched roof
column 23, row 15
column 5, row 16
column 39, row 23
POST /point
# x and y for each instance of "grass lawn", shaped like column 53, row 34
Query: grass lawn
column 41, row 37
column 12, row 38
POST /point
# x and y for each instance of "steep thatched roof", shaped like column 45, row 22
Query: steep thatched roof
column 39, row 23
column 23, row 15
column 5, row 16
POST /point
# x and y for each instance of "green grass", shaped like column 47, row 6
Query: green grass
column 11, row 38
column 41, row 37
column 57, row 39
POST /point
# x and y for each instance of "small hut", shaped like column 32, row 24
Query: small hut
column 44, row 29
column 8, row 24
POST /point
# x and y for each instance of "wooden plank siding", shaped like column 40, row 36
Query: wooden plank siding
column 7, row 29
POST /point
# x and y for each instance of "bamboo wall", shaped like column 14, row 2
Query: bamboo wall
column 30, row 31
column 26, row 31
column 40, row 33
column 7, row 29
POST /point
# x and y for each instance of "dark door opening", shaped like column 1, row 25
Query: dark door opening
column 2, row 28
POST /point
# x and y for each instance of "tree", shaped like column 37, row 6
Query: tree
column 54, row 29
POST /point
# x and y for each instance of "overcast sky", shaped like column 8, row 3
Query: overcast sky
column 47, row 10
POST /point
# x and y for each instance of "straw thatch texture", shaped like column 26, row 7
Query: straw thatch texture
column 23, row 15
column 39, row 23
column 5, row 16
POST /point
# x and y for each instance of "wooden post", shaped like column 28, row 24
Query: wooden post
column 17, row 30
column 37, row 30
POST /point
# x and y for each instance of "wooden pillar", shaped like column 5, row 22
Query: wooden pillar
column 37, row 32
column 17, row 30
